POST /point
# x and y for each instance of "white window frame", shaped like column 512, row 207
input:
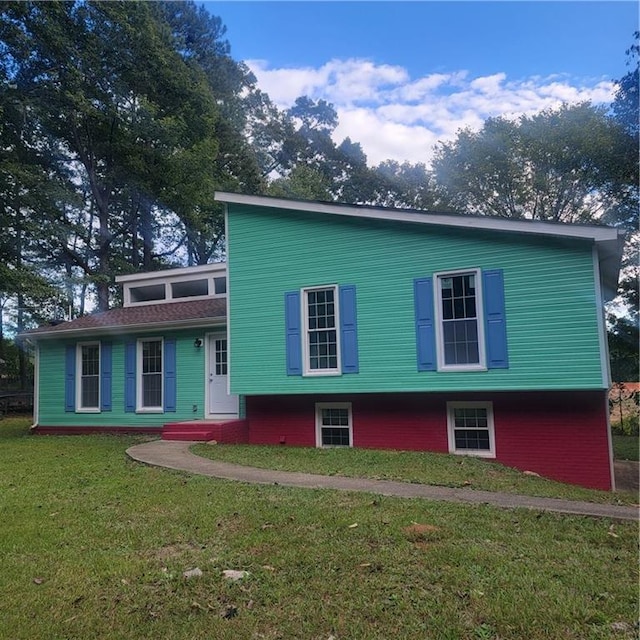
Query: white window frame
column 332, row 405
column 482, row 356
column 139, row 375
column 79, row 407
column 307, row 370
column 482, row 453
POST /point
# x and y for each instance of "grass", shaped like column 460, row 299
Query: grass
column 94, row 545
column 408, row 466
column 626, row 447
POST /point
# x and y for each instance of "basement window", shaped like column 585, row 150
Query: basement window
column 334, row 424
column 470, row 428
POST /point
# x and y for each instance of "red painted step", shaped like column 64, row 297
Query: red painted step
column 225, row 432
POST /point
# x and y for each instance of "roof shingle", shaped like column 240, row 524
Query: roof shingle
column 152, row 315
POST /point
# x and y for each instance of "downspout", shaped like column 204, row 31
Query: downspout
column 36, row 388
column 605, row 363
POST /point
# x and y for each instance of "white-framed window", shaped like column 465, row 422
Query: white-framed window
column 470, row 428
column 460, row 326
column 150, row 375
column 321, row 330
column 88, row 378
column 334, row 424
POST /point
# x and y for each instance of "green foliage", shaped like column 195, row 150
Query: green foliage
column 626, row 445
column 550, row 166
column 128, row 136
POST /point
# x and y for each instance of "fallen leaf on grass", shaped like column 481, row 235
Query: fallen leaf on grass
column 234, row 575
column 353, row 526
column 193, row 573
column 611, row 532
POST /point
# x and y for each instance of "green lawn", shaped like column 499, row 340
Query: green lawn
column 409, row 466
column 626, row 447
column 94, row 545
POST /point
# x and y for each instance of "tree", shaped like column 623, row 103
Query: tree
column 405, row 185
column 624, row 333
column 555, row 165
column 128, row 123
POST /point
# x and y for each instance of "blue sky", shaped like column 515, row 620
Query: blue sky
column 405, row 75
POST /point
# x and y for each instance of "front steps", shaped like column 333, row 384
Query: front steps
column 234, row 431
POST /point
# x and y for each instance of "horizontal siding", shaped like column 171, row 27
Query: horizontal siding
column 558, row 435
column 549, row 290
column 191, row 381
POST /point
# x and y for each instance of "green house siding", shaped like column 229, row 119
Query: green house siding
column 551, row 307
column 190, row 386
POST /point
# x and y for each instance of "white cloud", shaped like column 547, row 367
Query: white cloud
column 394, row 116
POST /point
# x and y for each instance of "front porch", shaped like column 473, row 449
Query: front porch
column 229, row 431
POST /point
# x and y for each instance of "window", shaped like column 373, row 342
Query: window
column 190, row 289
column 470, row 427
column 221, row 356
column 333, row 424
column 148, row 293
column 459, row 329
column 321, row 332
column 88, row 393
column 151, row 374
column 87, row 377
column 220, row 286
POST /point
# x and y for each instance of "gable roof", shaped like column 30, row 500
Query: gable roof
column 194, row 313
column 608, row 241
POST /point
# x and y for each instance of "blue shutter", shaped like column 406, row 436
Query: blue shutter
column 105, row 376
column 170, row 375
column 130, row 377
column 495, row 319
column 348, row 329
column 293, row 333
column 425, row 329
column 70, row 378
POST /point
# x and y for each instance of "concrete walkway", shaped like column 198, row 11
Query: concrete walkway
column 176, row 455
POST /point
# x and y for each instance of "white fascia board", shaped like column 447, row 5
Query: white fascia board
column 533, row 227
column 201, row 323
column 167, row 274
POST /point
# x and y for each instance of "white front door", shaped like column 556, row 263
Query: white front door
column 221, row 402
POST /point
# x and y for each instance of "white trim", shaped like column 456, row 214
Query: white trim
column 612, row 472
column 166, row 274
column 228, row 318
column 139, row 394
column 306, row 370
column 605, row 361
column 36, row 386
column 482, row 453
column 79, row 408
column 482, row 356
column 142, row 327
column 168, row 278
column 533, row 227
column 209, row 339
column 332, row 405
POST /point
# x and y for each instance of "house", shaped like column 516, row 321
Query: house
column 159, row 359
column 359, row 326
